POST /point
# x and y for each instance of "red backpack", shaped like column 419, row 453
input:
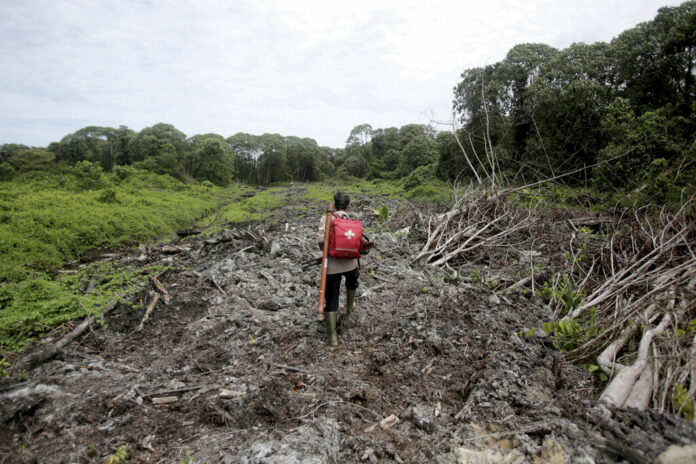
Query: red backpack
column 346, row 238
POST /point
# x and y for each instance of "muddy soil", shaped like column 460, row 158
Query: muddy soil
column 236, row 369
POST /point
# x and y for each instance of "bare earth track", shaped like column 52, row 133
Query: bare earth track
column 235, row 368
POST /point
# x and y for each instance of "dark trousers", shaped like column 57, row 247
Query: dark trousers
column 333, row 287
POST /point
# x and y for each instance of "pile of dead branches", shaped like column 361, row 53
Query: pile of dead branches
column 476, row 221
column 641, row 290
column 632, row 302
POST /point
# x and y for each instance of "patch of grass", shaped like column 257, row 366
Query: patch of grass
column 319, row 192
column 555, row 196
column 254, row 208
column 323, row 192
column 432, row 192
column 49, row 218
column 387, row 188
column 32, row 307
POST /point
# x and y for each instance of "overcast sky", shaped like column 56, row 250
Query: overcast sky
column 298, row 67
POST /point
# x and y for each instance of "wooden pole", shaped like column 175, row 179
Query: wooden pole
column 325, row 262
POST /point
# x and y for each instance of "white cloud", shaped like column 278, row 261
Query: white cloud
column 307, row 68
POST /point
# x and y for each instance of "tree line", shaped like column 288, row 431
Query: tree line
column 253, row 159
column 618, row 116
column 164, row 149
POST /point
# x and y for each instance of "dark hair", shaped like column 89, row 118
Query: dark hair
column 341, row 200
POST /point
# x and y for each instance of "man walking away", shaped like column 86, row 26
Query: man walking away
column 337, row 269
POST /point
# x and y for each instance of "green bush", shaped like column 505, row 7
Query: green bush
column 435, row 192
column 107, row 196
column 89, row 176
column 7, row 172
column 420, row 176
column 123, row 172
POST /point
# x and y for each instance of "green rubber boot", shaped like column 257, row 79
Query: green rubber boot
column 330, row 321
column 350, row 302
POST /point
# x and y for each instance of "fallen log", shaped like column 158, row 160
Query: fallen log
column 173, row 249
column 519, row 284
column 590, row 221
column 52, row 351
column 641, row 393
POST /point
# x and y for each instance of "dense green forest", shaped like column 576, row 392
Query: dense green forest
column 626, row 106
column 613, row 117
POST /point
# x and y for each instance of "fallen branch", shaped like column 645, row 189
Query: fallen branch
column 160, row 288
column 212, row 277
column 150, row 307
column 590, row 221
column 170, row 392
column 383, row 279
column 165, row 400
column 519, row 284
column 51, row 351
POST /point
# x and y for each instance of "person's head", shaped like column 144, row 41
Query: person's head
column 341, row 201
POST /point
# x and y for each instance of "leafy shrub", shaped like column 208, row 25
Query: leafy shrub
column 164, row 163
column 123, row 172
column 561, row 290
column 7, row 172
column 383, row 213
column 342, row 174
column 33, row 159
column 568, row 334
column 420, row 176
column 88, row 175
column 107, row 196
column 120, row 456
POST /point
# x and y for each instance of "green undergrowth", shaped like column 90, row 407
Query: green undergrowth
column 47, row 219
column 32, row 307
column 554, row 196
column 254, row 208
column 430, row 192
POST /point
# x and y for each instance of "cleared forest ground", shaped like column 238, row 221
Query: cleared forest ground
column 235, row 366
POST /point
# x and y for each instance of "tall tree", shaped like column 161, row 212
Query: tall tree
column 247, row 150
column 212, row 161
